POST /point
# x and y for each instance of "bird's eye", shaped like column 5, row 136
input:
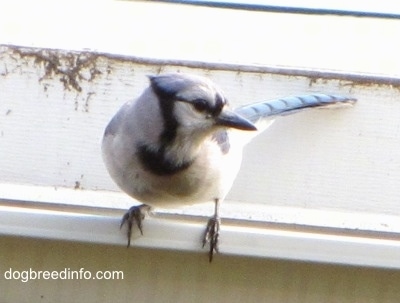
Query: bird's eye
column 200, row 105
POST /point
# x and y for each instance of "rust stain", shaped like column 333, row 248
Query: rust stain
column 77, row 185
column 71, row 67
column 87, row 103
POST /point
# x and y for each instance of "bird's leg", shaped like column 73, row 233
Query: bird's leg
column 135, row 214
column 211, row 233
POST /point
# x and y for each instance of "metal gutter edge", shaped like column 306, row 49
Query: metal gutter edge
column 351, row 78
column 162, row 233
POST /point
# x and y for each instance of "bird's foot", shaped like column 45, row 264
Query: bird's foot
column 135, row 215
column 211, row 235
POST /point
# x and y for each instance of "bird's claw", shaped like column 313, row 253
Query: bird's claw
column 211, row 236
column 134, row 215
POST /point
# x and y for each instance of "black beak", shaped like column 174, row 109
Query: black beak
column 230, row 119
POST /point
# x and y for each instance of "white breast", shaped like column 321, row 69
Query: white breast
column 209, row 177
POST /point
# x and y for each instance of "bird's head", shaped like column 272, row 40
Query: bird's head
column 194, row 103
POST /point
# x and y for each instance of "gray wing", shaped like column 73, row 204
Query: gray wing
column 286, row 106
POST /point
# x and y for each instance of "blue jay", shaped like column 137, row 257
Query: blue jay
column 179, row 144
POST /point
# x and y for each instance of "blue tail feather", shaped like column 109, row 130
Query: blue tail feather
column 289, row 105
